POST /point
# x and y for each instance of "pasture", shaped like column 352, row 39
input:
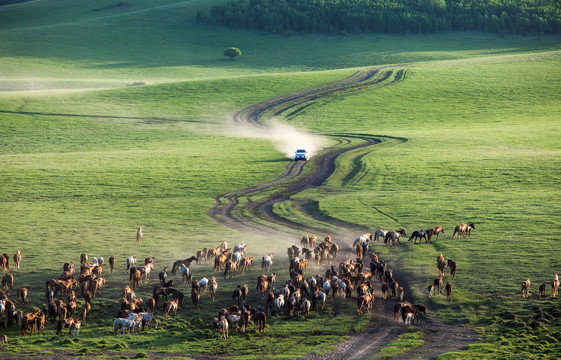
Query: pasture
column 470, row 135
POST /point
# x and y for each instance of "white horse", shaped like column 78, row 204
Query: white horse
column 125, row 324
column 148, row 317
column 237, row 256
column 326, row 286
column 267, row 262
column 131, row 261
column 240, row 247
column 234, row 320
column 321, row 299
column 203, row 282
column 185, row 273
column 279, row 303
column 380, row 234
column 362, row 239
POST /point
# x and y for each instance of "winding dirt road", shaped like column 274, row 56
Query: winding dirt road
column 258, row 216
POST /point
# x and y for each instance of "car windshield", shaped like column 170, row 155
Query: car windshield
column 301, row 151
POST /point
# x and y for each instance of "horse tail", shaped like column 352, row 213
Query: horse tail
column 264, row 321
column 226, row 268
column 59, row 327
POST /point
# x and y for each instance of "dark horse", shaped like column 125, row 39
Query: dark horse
column 421, row 234
column 394, row 236
column 186, row 262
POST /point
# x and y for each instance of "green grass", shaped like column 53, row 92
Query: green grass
column 471, row 134
column 407, row 341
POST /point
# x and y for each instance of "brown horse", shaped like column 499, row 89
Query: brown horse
column 22, row 295
column 212, row 287
column 195, row 298
column 463, row 230
column 259, row 319
column 5, row 262
column 453, row 266
column 8, row 281
column 440, row 264
column 171, row 306
column 434, row 231
column 525, row 288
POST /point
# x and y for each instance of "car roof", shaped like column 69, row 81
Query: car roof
column 301, row 150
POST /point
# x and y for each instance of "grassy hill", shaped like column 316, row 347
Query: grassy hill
column 86, row 159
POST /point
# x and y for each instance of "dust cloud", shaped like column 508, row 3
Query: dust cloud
column 285, row 138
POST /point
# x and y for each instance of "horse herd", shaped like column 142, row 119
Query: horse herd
column 298, row 295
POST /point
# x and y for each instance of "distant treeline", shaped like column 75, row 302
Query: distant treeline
column 388, row 16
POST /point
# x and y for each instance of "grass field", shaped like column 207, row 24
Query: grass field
column 85, row 160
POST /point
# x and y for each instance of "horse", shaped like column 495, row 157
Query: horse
column 212, row 287
column 305, row 242
column 555, row 285
column 278, row 303
column 448, row 291
column 17, row 259
column 163, row 275
column 3, row 341
column 241, row 248
column 234, row 319
column 177, row 264
column 8, row 281
column 525, row 288
column 463, row 230
column 111, row 263
column 361, row 239
column 440, row 264
column 245, row 263
column 177, row 295
column 408, row 314
column 453, row 266
column 171, row 306
column 418, row 234
column 22, row 295
column 379, row 234
column 434, row 231
column 131, row 261
column 394, row 236
column 139, row 234
column 223, row 327
column 267, row 262
column 195, row 298
column 259, row 319
column 230, row 268
column 148, row 318
column 185, row 274
column 437, row 283
column 64, row 323
column 121, row 324
column 305, row 306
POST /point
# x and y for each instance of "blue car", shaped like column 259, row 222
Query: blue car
column 301, row 154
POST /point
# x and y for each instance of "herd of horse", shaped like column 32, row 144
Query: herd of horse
column 298, row 295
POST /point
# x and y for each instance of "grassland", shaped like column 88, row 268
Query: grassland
column 82, row 168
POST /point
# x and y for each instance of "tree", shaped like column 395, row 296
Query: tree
column 232, row 52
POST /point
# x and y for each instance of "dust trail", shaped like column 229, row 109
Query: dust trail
column 285, row 138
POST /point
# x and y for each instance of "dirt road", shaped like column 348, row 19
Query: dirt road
column 259, row 217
